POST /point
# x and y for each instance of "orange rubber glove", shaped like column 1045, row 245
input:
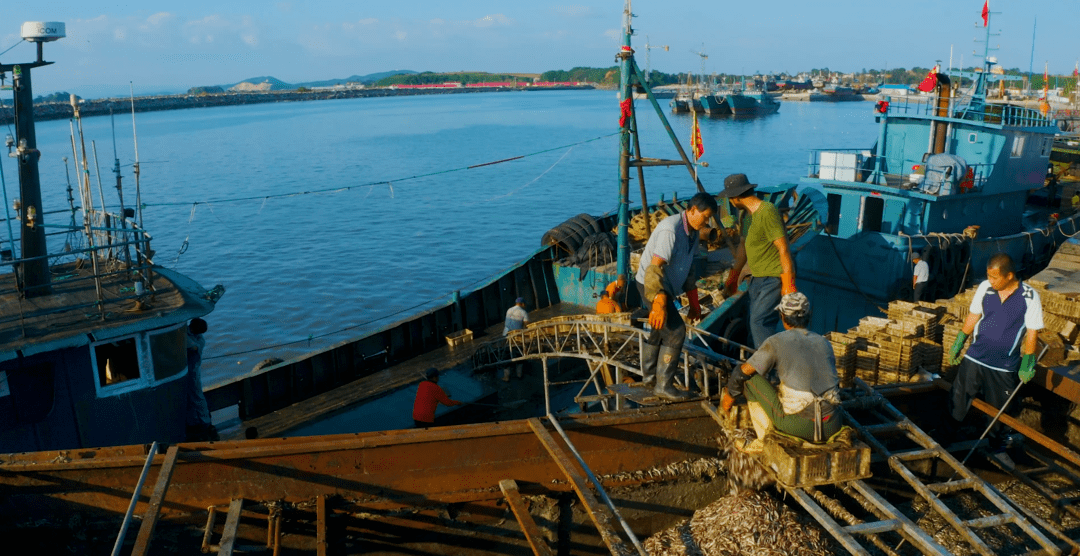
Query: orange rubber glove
column 731, row 284
column 787, row 281
column 658, row 314
column 726, row 401
column 695, row 306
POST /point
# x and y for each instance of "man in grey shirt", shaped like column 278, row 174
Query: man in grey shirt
column 805, row 404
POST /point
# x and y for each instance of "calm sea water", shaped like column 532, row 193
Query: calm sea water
column 310, row 270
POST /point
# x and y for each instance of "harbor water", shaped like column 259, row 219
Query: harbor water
column 325, row 220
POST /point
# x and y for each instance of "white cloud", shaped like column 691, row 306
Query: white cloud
column 160, row 18
column 573, row 11
column 613, row 34
column 400, row 35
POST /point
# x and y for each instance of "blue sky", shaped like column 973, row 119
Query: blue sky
column 171, row 46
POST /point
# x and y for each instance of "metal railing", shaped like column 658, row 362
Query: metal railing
column 899, row 171
column 964, row 108
column 116, row 250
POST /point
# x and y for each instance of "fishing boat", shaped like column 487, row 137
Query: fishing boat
column 93, row 333
column 752, row 103
column 955, row 175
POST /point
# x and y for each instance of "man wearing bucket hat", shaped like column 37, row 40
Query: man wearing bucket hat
column 665, row 271
column 806, row 403
column 763, row 247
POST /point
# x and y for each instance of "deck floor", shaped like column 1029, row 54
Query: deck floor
column 380, row 383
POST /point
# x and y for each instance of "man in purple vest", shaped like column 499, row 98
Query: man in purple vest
column 1005, row 317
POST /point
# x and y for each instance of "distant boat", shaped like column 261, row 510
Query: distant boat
column 715, row 103
column 752, row 103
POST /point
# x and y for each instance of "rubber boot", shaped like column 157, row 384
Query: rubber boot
column 761, row 423
column 666, row 368
column 650, row 354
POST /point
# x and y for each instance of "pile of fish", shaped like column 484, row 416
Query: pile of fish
column 748, row 523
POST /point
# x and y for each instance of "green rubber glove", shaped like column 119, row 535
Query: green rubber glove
column 954, row 351
column 1027, row 367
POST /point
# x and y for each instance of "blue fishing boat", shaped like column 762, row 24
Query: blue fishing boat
column 716, row 103
column 953, row 175
column 752, row 103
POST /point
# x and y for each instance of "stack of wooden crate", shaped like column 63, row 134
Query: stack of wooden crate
column 1061, row 317
column 845, row 348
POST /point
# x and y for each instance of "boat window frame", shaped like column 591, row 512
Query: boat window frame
column 144, row 355
column 1017, row 149
column 1047, row 147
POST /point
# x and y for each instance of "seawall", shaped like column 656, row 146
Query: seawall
column 102, row 107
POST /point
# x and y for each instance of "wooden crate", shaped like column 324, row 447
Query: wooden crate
column 805, row 466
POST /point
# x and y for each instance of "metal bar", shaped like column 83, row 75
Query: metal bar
column 874, row 527
column 1042, row 439
column 208, row 532
column 913, row 533
column 232, row 522
column 150, row 518
column 134, row 499
column 601, row 515
column 645, row 162
column 532, row 533
column 320, row 525
column 991, row 521
column 838, row 532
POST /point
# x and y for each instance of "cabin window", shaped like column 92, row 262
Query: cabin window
column 116, row 362
column 169, row 352
column 873, row 210
column 1017, row 146
column 5, row 390
column 834, row 213
column 140, row 361
column 973, row 137
column 1047, row 146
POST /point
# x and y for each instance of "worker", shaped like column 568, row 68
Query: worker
column 1005, row 317
column 606, row 305
column 428, row 396
column 516, row 319
column 807, row 403
column 664, row 272
column 763, row 246
column 617, row 290
column 921, row 275
column 198, row 425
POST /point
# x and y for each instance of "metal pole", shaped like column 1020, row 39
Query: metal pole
column 134, row 499
column 627, row 96
column 35, row 275
column 596, row 482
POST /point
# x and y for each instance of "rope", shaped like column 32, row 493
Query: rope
column 372, row 184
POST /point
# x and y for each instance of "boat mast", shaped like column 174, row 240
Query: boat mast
column 626, row 98
column 34, row 266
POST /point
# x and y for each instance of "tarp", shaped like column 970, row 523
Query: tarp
column 943, row 172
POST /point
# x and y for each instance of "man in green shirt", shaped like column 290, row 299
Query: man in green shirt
column 764, row 248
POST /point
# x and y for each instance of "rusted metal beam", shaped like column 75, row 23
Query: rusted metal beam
column 320, row 525
column 532, row 533
column 600, row 514
column 150, row 518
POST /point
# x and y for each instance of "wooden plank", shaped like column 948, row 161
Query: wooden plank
column 600, row 514
column 532, row 533
column 232, row 522
column 320, row 525
column 150, row 518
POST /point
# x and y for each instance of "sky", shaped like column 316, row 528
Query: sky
column 172, row 46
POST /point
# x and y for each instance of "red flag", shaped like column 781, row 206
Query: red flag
column 930, row 81
column 1076, row 70
column 695, row 139
column 624, row 111
column 986, row 13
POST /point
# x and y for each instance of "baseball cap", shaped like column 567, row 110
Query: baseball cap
column 520, row 300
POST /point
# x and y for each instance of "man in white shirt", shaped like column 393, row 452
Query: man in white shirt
column 921, row 275
column 516, row 319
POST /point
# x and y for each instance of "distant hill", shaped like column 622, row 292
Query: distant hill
column 269, row 83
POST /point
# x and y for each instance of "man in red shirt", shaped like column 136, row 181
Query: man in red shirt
column 428, row 396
